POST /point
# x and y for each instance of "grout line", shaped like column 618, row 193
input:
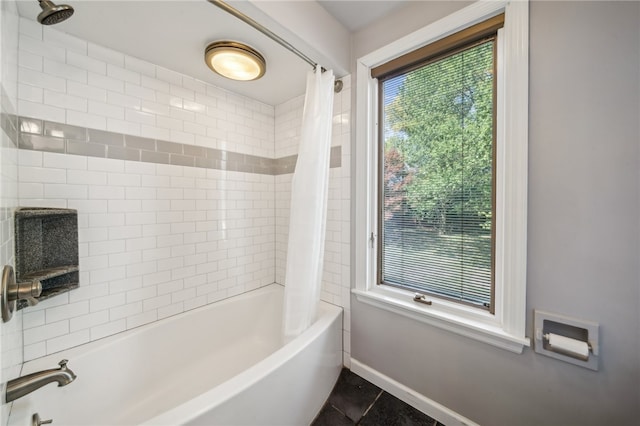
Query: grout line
column 371, row 405
column 338, row 410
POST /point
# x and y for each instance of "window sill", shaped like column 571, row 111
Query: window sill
column 463, row 325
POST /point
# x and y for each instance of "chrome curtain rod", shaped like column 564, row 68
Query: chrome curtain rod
column 273, row 36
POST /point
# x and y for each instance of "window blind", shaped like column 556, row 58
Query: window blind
column 437, row 175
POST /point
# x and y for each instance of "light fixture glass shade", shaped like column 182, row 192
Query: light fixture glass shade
column 235, row 60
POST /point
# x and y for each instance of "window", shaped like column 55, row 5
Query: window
column 442, row 120
column 437, row 144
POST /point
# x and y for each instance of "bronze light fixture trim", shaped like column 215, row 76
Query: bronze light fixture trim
column 235, row 60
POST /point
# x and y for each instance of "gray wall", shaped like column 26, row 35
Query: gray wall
column 583, row 241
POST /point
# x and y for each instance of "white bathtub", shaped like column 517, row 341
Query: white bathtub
column 222, row 364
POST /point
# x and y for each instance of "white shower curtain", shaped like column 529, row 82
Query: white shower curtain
column 308, row 217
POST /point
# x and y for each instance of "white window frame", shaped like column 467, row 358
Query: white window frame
column 506, row 327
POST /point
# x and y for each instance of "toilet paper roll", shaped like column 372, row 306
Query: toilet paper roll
column 569, row 346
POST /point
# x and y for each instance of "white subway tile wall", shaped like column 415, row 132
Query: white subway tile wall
column 11, row 347
column 156, row 239
column 68, row 80
column 11, row 332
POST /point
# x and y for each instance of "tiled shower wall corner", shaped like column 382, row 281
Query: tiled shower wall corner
column 155, row 239
column 10, row 332
column 335, row 276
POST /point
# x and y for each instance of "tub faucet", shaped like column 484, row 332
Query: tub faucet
column 22, row 386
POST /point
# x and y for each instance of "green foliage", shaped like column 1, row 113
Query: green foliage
column 438, row 145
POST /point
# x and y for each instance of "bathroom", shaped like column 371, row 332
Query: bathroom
column 141, row 256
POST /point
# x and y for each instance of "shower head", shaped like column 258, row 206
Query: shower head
column 52, row 13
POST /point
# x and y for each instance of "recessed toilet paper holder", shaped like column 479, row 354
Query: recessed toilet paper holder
column 567, row 339
column 568, row 346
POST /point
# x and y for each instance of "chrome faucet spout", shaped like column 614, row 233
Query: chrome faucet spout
column 24, row 385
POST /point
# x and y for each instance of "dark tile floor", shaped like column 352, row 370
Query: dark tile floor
column 355, row 401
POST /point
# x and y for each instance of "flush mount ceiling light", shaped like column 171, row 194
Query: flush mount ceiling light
column 235, row 60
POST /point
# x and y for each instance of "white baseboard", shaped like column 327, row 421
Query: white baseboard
column 411, row 397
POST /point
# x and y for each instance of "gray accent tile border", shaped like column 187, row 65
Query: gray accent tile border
column 8, row 120
column 285, row 165
column 123, row 153
column 64, row 131
column 10, row 127
column 106, row 138
column 42, row 135
column 41, row 143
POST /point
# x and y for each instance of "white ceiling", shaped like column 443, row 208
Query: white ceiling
column 173, row 34
column 357, row 14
